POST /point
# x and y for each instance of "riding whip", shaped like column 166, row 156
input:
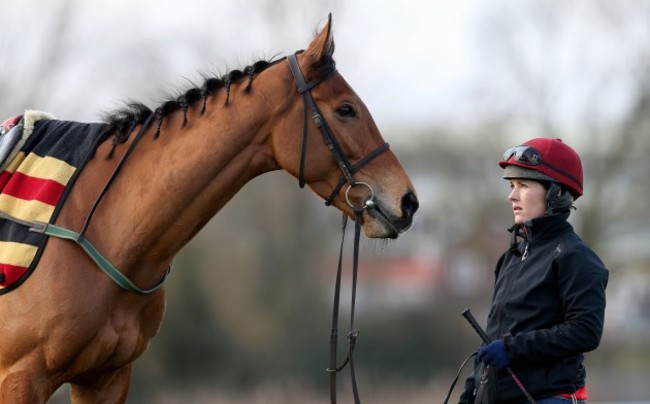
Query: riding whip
column 475, row 325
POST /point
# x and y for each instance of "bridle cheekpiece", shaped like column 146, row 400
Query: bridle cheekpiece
column 348, row 169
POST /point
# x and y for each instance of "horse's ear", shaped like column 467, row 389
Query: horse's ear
column 321, row 48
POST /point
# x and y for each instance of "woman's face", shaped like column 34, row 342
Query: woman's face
column 528, row 199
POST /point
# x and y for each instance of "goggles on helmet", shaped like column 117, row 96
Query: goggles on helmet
column 524, row 154
column 529, row 156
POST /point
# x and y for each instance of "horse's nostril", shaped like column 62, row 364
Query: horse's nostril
column 410, row 205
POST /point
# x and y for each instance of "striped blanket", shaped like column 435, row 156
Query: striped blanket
column 33, row 187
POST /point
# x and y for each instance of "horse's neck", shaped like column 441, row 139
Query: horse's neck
column 172, row 186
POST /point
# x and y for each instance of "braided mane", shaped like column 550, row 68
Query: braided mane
column 122, row 122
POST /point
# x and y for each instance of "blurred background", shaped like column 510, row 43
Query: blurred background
column 451, row 84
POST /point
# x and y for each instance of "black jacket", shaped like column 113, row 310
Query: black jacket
column 548, row 306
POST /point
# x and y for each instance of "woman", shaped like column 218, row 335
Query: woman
column 548, row 303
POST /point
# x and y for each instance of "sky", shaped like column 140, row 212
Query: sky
column 413, row 62
column 405, row 59
column 423, row 49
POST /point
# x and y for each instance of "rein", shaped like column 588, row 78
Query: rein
column 348, row 169
column 333, row 368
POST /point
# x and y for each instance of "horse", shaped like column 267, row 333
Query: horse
column 154, row 180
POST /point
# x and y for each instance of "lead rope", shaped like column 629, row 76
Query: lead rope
column 333, row 369
column 460, row 370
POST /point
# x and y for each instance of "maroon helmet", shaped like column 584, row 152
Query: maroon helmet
column 545, row 159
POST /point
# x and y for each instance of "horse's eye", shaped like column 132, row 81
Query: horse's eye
column 346, row 111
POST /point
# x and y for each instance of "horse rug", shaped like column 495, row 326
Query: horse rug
column 36, row 175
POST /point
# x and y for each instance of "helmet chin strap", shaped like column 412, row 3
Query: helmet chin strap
column 558, row 200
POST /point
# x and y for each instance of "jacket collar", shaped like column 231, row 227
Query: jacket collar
column 544, row 227
column 537, row 229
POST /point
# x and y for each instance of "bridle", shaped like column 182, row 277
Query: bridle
column 348, row 169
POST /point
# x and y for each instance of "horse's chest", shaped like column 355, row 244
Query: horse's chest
column 110, row 338
column 131, row 328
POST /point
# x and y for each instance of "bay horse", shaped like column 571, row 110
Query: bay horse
column 70, row 323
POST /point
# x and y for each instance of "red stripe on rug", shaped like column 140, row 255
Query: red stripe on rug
column 4, row 178
column 34, row 189
column 11, row 273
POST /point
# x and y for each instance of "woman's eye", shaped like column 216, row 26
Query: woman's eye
column 346, row 110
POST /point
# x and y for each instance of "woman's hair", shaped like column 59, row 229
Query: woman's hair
column 558, row 198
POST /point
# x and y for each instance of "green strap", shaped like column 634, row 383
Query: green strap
column 119, row 278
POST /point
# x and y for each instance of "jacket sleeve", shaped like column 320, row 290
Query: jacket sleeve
column 581, row 282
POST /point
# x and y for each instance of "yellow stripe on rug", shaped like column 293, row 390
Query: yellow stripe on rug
column 26, row 210
column 17, row 254
column 15, row 163
column 47, row 168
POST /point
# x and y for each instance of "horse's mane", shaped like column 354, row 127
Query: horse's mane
column 122, row 122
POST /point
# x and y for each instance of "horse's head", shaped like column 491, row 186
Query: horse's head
column 342, row 156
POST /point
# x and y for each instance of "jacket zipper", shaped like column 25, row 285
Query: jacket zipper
column 508, row 286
